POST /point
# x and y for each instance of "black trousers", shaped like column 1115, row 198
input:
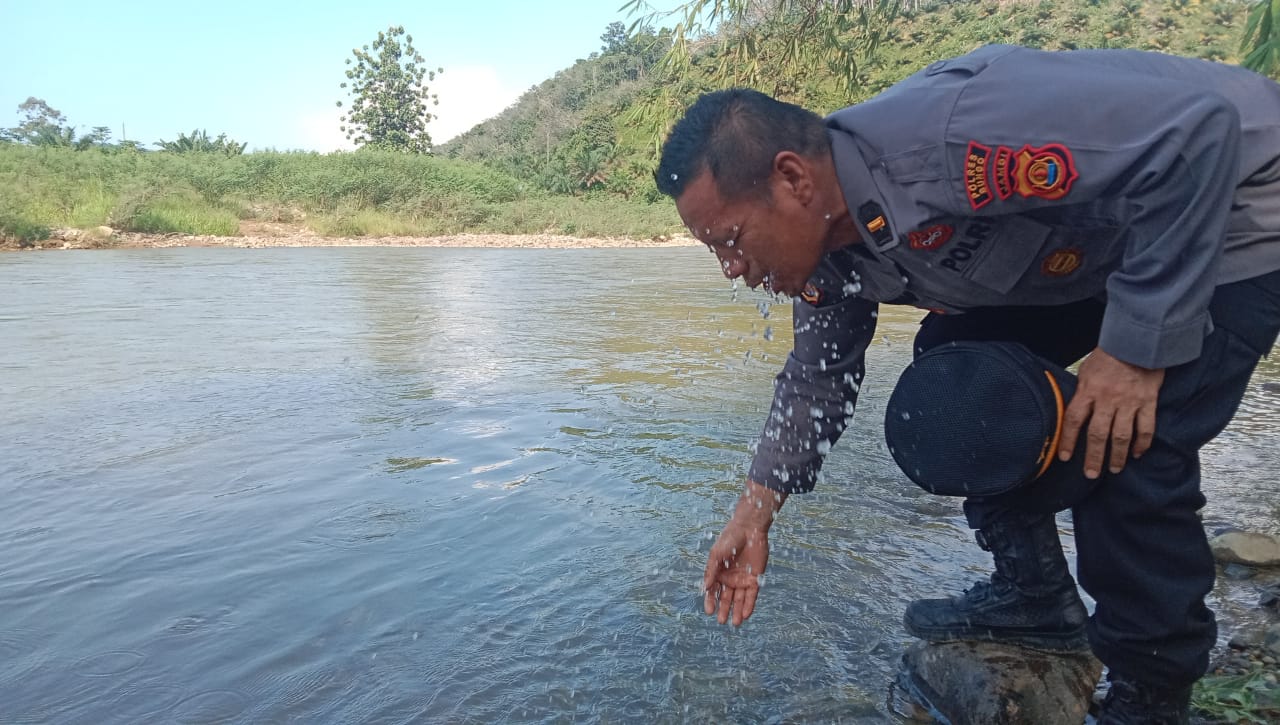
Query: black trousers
column 1142, row 551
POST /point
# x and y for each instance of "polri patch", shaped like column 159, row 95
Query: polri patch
column 977, row 175
column 1062, row 262
column 1046, row 172
column 932, row 237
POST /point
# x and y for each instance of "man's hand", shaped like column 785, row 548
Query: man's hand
column 1119, row 402
column 731, row 582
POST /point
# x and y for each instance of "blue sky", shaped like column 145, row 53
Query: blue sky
column 268, row 72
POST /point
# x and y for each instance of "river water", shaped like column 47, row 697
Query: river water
column 425, row 485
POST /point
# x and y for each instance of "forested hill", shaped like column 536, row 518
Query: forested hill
column 585, row 130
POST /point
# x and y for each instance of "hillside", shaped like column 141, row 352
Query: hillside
column 592, row 128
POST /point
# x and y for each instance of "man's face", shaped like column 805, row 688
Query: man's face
column 774, row 241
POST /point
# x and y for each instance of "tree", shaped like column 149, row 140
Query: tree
column 41, row 125
column 44, row 125
column 200, row 143
column 388, row 95
column 1261, row 42
column 614, row 38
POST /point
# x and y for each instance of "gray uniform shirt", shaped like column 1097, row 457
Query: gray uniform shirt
column 1011, row 176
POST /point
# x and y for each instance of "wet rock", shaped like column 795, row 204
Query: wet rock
column 1238, row 572
column 1271, row 639
column 1270, row 598
column 1246, row 548
column 997, row 684
column 1271, row 387
column 1246, row 638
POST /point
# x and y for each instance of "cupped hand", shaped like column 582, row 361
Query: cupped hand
column 732, row 579
column 1118, row 402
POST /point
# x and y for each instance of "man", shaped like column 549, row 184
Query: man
column 1117, row 206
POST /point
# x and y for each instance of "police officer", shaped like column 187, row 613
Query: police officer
column 1117, row 206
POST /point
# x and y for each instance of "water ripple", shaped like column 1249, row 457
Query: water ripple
column 213, row 706
column 109, row 664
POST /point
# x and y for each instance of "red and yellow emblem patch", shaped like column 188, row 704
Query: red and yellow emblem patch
column 1046, row 172
column 811, row 294
column 1062, row 262
column 931, row 238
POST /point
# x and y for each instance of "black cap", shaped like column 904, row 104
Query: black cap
column 983, row 419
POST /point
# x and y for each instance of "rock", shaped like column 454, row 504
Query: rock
column 1246, row 548
column 1238, row 572
column 1271, row 387
column 998, row 684
column 1270, row 598
column 1246, row 638
column 105, row 232
column 1271, row 639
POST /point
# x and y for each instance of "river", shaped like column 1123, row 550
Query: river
column 448, row 485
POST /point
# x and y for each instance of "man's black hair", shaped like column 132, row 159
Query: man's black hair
column 735, row 134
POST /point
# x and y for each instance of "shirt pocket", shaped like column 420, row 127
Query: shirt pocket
column 1013, row 245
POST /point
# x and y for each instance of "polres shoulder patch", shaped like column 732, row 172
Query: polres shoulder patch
column 1045, row 172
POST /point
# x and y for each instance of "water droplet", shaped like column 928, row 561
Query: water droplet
column 824, row 447
column 828, row 216
column 906, row 415
column 675, row 177
column 852, row 288
column 730, row 243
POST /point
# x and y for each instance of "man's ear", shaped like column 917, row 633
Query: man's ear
column 793, row 176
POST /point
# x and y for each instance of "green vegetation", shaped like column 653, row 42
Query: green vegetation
column 389, row 96
column 200, row 143
column 1237, row 699
column 576, row 153
column 822, row 54
column 1261, row 44
column 366, row 193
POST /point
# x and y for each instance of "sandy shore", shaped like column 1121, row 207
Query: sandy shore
column 257, row 235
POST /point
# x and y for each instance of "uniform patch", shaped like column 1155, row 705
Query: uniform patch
column 1002, row 172
column 811, row 294
column 1062, row 262
column 932, row 237
column 977, row 175
column 1043, row 171
column 871, row 216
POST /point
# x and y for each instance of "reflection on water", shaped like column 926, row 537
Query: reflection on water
column 394, row 485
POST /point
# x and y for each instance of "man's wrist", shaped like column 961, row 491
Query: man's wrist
column 757, row 505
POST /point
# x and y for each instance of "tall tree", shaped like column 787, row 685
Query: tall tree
column 41, row 125
column 389, row 95
column 1261, row 42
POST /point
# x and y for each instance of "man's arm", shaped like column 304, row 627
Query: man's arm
column 812, row 405
column 815, row 394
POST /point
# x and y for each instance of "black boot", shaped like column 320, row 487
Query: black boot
column 1130, row 702
column 1031, row 599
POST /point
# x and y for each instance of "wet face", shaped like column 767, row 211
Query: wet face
column 773, row 241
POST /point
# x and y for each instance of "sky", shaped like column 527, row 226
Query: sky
column 268, row 73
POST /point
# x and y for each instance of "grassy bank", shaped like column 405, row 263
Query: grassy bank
column 343, row 194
